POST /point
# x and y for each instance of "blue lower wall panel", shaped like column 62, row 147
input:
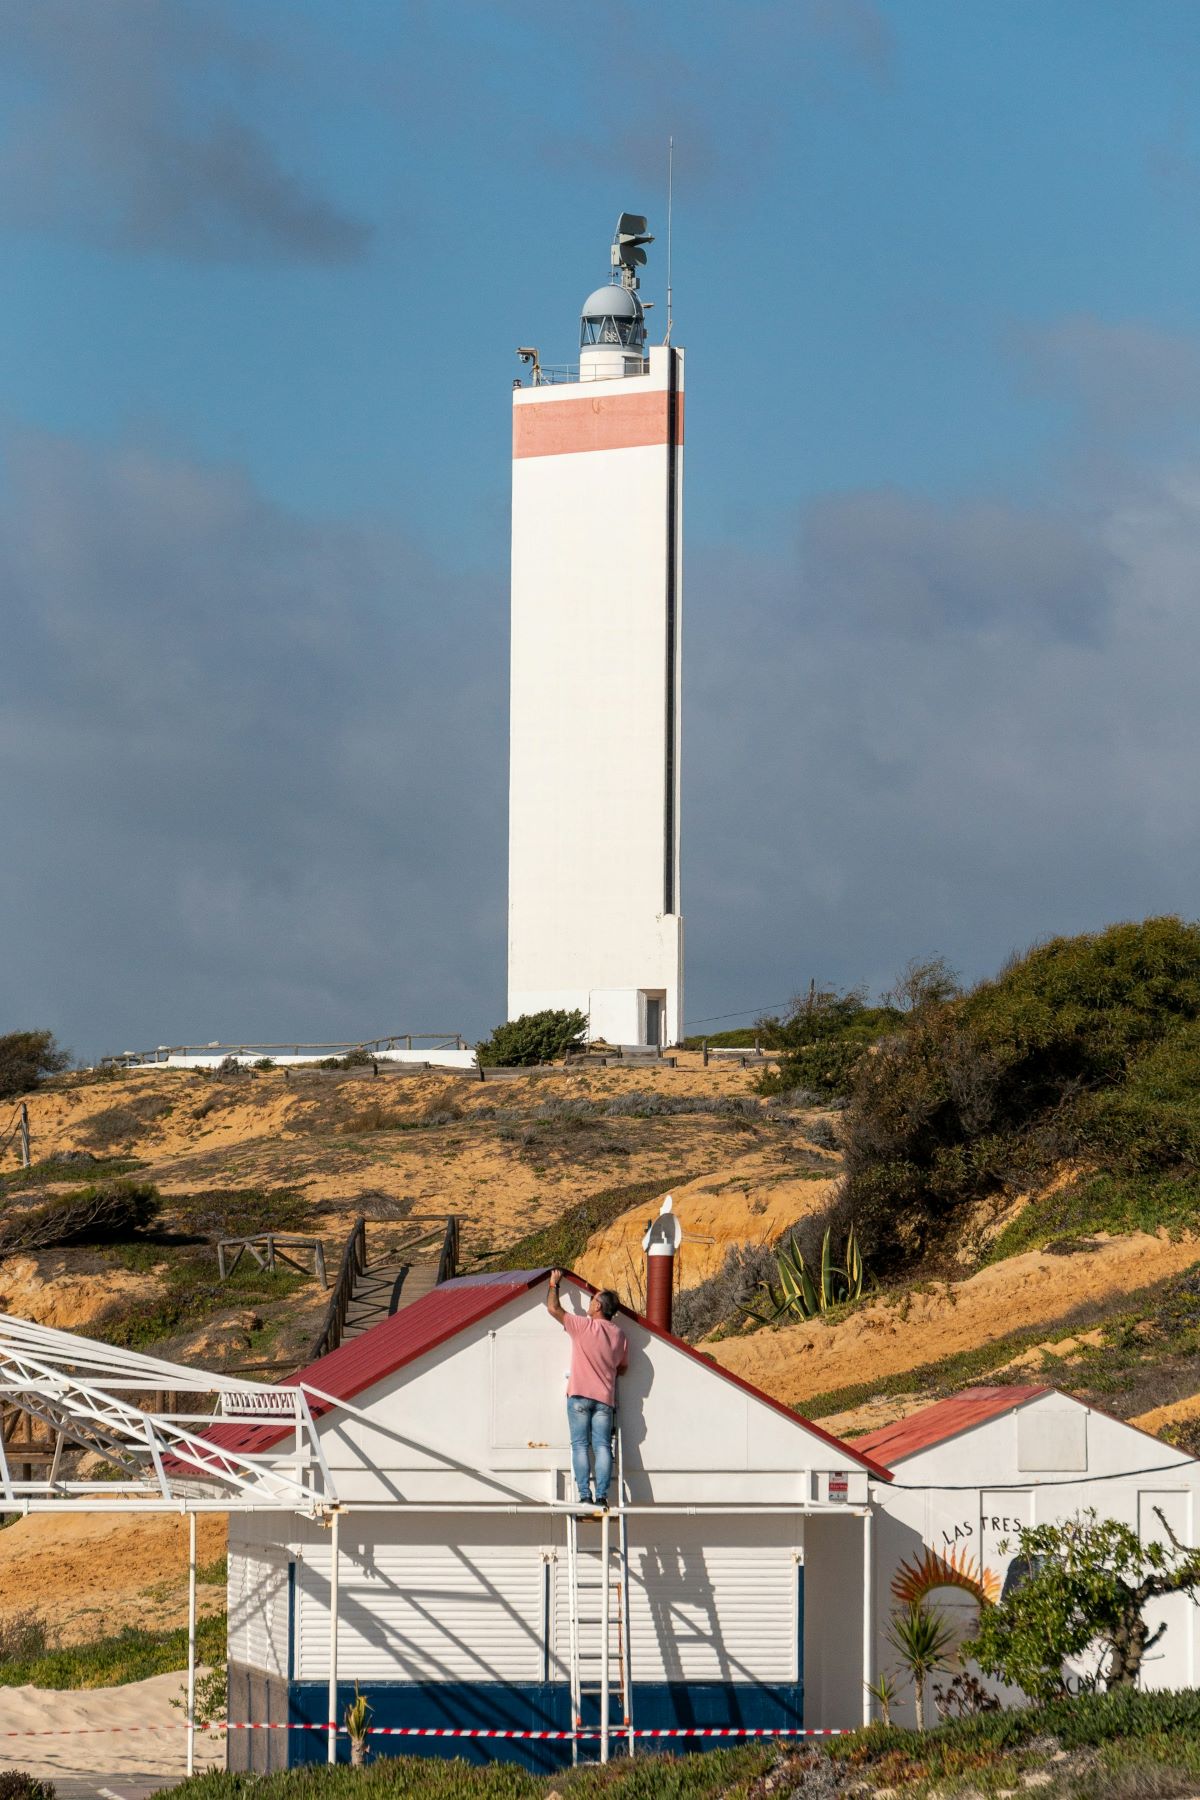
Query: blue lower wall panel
column 541, row 1707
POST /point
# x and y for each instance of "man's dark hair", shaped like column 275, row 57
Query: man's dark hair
column 609, row 1304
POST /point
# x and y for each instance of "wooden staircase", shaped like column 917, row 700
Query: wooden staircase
column 370, row 1288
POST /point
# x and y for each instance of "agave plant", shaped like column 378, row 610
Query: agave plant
column 809, row 1293
column 358, row 1717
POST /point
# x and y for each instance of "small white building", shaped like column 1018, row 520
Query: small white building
column 594, row 920
column 970, row 1471
column 447, row 1562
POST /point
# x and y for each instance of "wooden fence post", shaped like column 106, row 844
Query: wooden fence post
column 24, row 1135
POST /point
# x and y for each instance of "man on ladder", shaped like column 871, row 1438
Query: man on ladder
column 599, row 1353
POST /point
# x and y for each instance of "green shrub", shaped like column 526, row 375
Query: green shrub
column 533, row 1038
column 22, row 1635
column 15, row 1784
column 1087, row 1583
column 26, row 1058
column 1082, row 1046
column 825, row 1036
column 103, row 1213
column 130, row 1655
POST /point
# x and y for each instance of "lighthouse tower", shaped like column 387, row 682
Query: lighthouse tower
column 597, row 515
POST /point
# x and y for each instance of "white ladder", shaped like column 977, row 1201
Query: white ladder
column 598, row 1587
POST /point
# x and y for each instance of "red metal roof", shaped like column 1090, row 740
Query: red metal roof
column 441, row 1314
column 944, row 1419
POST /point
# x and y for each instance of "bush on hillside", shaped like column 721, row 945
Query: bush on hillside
column 17, row 1784
column 26, row 1058
column 1085, row 1044
column 91, row 1215
column 725, row 1295
column 824, row 1037
column 541, row 1037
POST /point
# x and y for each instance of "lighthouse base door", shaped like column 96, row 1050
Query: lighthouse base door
column 653, row 1008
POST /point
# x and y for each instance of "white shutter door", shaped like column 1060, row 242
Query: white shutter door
column 703, row 1606
column 436, row 1612
column 258, row 1624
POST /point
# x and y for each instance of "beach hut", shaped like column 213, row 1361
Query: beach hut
column 970, row 1471
column 456, row 1582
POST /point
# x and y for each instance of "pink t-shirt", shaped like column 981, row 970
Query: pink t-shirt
column 599, row 1353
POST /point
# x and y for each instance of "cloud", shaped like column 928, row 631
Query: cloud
column 254, row 763
column 1121, row 378
column 130, row 136
column 939, row 729
column 677, row 85
column 857, row 30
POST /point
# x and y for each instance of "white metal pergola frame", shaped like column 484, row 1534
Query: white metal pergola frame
column 86, row 1394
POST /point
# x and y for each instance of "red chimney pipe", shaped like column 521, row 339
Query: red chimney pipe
column 660, row 1243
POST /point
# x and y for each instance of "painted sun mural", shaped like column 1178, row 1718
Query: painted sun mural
column 957, row 1568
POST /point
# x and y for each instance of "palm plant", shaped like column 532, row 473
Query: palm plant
column 884, row 1691
column 924, row 1642
column 808, row 1294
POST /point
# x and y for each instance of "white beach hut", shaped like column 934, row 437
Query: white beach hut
column 970, row 1471
column 463, row 1593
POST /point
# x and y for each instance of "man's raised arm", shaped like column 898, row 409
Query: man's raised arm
column 553, row 1304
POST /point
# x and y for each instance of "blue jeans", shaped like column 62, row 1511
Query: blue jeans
column 591, row 1424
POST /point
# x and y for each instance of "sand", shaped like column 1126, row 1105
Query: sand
column 924, row 1326
column 90, row 1574
column 97, row 1741
column 1177, row 1412
column 751, row 1199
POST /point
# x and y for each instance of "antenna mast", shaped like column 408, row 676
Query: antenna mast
column 670, row 204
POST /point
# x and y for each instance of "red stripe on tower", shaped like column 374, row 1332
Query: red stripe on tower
column 599, row 422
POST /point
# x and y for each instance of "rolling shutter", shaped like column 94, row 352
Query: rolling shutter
column 436, row 1612
column 703, row 1605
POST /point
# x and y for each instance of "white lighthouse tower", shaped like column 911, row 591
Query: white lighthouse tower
column 597, row 517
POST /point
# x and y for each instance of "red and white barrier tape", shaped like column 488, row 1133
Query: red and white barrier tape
column 461, row 1731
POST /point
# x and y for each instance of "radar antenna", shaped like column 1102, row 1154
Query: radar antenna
column 627, row 254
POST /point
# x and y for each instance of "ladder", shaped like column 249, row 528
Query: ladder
column 598, row 1588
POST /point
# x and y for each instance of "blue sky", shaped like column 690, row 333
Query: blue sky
column 264, row 268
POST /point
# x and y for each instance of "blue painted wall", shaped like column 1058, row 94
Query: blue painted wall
column 544, row 1707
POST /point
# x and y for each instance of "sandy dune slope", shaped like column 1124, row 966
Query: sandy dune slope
column 90, row 1574
column 96, row 1739
column 948, row 1317
column 751, row 1199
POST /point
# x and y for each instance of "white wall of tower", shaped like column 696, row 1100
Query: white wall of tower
column 589, row 718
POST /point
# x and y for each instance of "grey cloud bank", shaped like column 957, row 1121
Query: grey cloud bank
column 255, row 762
column 251, row 763
column 941, row 729
column 136, row 142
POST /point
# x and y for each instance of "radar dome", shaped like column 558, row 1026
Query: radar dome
column 612, row 317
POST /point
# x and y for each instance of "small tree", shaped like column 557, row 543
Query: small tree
column 924, row 1642
column 1088, row 1583
column 923, row 981
column 533, row 1038
column 26, row 1058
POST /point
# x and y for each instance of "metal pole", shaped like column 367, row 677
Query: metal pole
column 604, row 1636
column 868, row 1617
column 191, row 1668
column 333, row 1636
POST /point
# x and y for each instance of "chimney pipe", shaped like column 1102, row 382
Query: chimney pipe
column 662, row 1240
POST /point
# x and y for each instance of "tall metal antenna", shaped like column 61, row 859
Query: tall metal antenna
column 670, row 205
